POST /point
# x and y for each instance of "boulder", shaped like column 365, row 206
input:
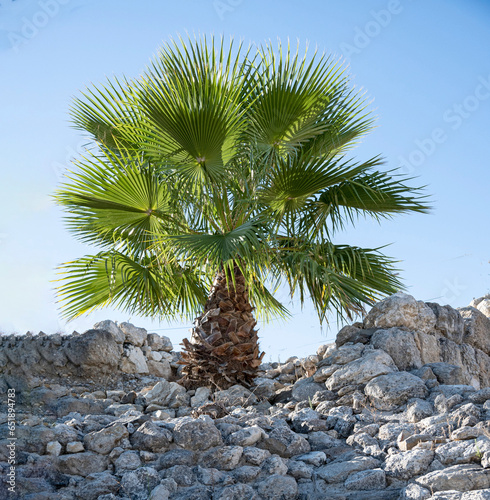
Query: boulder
column 197, row 434
column 95, row 349
column 374, row 362
column 105, row 440
column 159, row 342
column 386, row 392
column 401, row 310
column 134, row 361
column 134, row 335
column 112, row 328
column 400, row 345
column 354, row 335
column 457, row 477
column 150, row 436
column 449, row 322
column 476, row 328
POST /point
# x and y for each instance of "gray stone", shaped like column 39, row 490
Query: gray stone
column 128, row 460
column 275, row 465
column 305, row 389
column 476, row 328
column 105, row 440
column 247, row 436
column 134, row 335
column 96, row 485
column 400, row 345
column 160, row 368
column 112, row 328
column 408, row 464
column 354, row 334
column 457, row 477
column 448, row 322
column 415, row 492
column 340, row 471
column 278, row 487
column 446, row 373
column 255, row 456
column 139, row 483
column 82, row 464
column 245, row 473
column 236, row 395
column 300, row 470
column 222, row 458
column 151, row 437
column 401, row 310
column 371, row 364
column 94, row 349
column 342, row 355
column 161, row 492
column 168, row 394
column 374, row 479
column 159, row 342
column 176, row 457
column 238, row 492
column 386, row 392
column 315, row 458
column 418, row 410
column 286, row 443
column 183, row 475
column 198, row 434
column 200, row 397
column 134, row 361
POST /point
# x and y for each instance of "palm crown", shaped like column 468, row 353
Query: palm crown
column 232, row 161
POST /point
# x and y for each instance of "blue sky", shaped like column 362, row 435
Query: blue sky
column 426, row 66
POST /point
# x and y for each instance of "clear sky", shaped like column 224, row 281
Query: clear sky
column 426, row 65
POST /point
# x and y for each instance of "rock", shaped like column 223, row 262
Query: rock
column 286, row 443
column 476, row 328
column 53, row 448
column 177, row 456
column 183, row 475
column 105, row 440
column 446, row 373
column 128, row 460
column 275, row 465
column 150, row 436
column 342, row 355
column 247, row 436
column 139, row 483
column 400, row 345
column 276, row 486
column 94, row 349
column 457, row 477
column 340, row 471
column 160, row 368
column 386, row 392
column 238, row 492
column 403, row 311
column 198, row 434
column 74, row 447
column 134, row 361
column 484, row 306
column 134, row 335
column 82, row 464
column 353, row 334
column 255, row 456
column 200, row 397
column 305, row 389
column 449, row 322
column 222, row 458
column 266, row 388
column 236, row 395
column 168, row 394
column 374, row 479
column 159, row 342
column 112, row 328
column 415, row 492
column 408, row 464
column 372, row 363
column 161, row 492
column 418, row 410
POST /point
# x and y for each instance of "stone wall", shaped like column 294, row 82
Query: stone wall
column 105, row 355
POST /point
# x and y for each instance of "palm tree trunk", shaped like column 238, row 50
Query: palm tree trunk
column 223, row 349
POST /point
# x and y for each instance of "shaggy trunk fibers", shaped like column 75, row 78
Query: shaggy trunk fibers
column 223, row 349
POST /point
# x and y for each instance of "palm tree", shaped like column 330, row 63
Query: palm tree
column 216, row 176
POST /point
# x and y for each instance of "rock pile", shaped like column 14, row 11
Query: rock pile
column 398, row 408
